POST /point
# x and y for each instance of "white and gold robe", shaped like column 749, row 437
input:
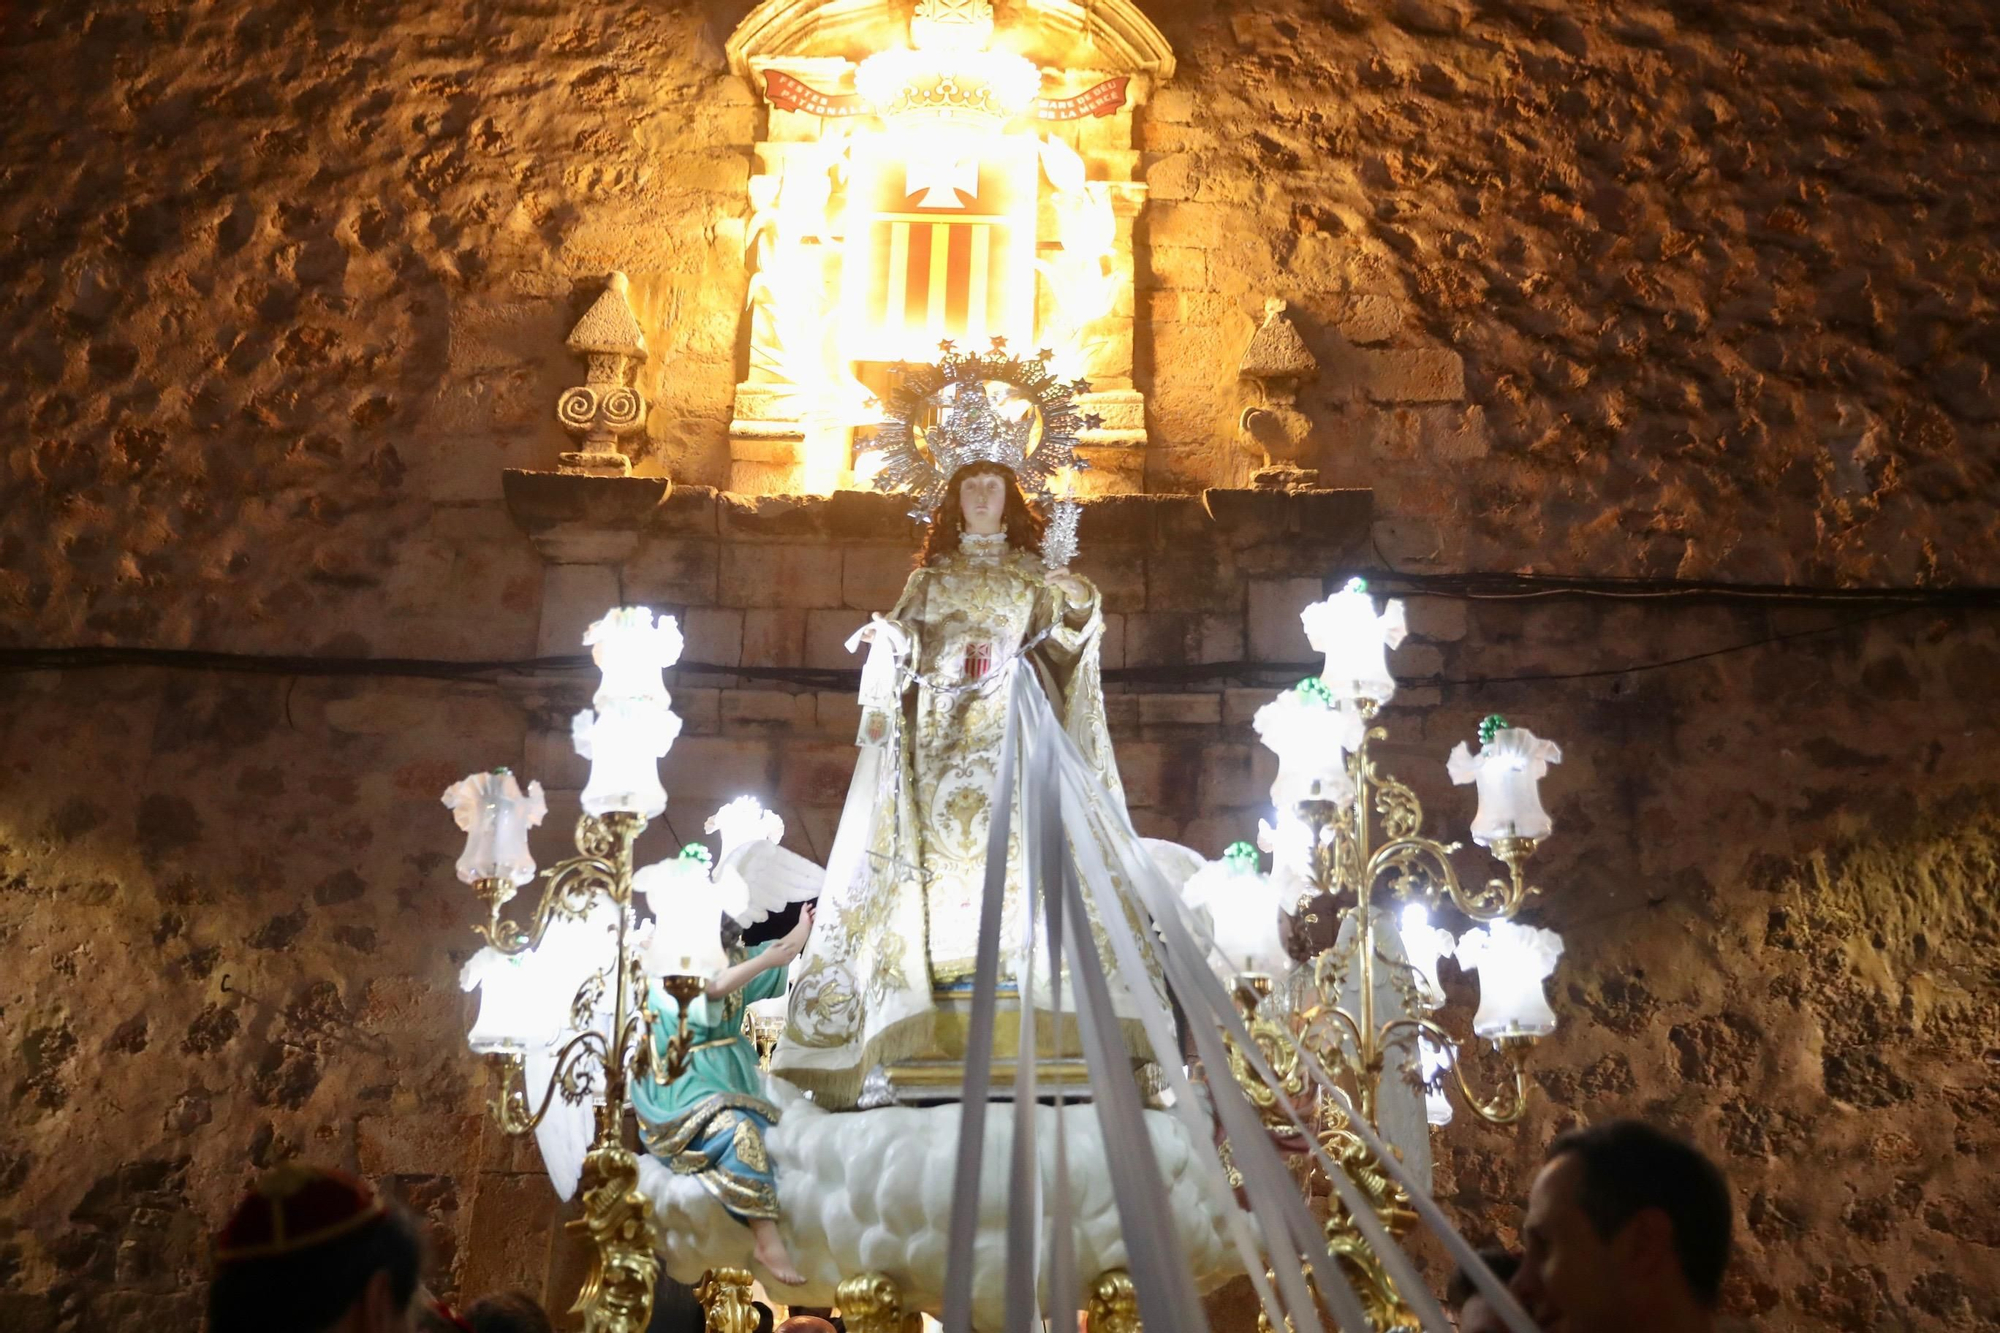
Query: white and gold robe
column 900, row 911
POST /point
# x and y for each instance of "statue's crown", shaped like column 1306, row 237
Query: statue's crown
column 947, row 74
column 973, row 428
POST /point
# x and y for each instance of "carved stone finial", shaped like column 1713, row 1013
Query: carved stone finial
column 1277, row 357
column 609, row 327
column 1276, row 362
column 606, row 408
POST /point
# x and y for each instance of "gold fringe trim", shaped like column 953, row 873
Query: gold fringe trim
column 839, row 1089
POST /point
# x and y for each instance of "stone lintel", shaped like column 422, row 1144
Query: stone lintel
column 575, row 519
column 596, row 520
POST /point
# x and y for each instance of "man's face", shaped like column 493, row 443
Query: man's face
column 1570, row 1280
column 983, row 500
column 1476, row 1316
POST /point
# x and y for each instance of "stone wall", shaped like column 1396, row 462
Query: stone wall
column 233, row 894
column 1696, row 291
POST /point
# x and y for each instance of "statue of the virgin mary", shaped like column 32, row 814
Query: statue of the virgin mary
column 899, row 916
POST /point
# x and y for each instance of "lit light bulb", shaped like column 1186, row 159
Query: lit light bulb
column 1424, row 944
column 1433, row 1061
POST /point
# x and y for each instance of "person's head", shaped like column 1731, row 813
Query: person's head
column 312, row 1250
column 1475, row 1313
column 508, row 1312
column 982, row 498
column 806, row 1323
column 429, row 1314
column 1628, row 1227
column 766, row 1319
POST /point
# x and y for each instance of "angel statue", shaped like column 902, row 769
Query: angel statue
column 904, row 882
column 710, row 1122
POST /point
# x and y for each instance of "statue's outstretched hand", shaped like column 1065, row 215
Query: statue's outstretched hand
column 794, row 942
column 1074, row 588
column 880, row 626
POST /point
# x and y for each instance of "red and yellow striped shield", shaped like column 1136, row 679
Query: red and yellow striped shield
column 940, row 244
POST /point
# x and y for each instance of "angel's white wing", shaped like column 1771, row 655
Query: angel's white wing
column 570, row 953
column 1175, row 862
column 766, row 878
column 565, row 1132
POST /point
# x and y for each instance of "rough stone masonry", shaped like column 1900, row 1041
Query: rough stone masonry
column 1693, row 290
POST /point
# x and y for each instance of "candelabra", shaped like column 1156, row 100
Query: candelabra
column 1349, row 838
column 562, row 999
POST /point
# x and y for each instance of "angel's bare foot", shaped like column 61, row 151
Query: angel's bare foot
column 771, row 1252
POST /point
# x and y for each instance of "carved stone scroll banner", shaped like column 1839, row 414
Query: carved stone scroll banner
column 1105, row 99
column 790, row 94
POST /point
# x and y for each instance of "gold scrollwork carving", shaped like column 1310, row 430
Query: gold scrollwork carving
column 1114, row 1303
column 873, row 1303
column 617, row 1295
column 726, row 1306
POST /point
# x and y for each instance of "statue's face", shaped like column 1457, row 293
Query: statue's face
column 983, row 500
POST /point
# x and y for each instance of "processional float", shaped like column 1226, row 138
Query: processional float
column 1087, row 1150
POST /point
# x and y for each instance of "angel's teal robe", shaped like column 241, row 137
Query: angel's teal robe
column 710, row 1122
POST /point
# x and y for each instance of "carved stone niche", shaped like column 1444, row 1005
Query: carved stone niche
column 975, row 178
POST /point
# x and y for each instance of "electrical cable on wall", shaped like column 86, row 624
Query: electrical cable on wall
column 1878, row 603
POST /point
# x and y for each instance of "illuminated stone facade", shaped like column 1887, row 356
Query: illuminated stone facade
column 900, row 195
column 1650, row 292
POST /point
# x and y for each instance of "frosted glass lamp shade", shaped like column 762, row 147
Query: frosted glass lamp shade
column 512, row 1016
column 1356, row 641
column 1240, row 908
column 525, row 999
column 687, row 913
column 744, row 820
column 1312, row 738
column 1507, row 772
column 631, row 650
column 624, row 743
column 496, row 816
column 1513, row 962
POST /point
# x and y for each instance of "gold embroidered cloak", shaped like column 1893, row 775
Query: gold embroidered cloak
column 901, row 916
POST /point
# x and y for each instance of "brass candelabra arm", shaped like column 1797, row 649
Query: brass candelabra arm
column 602, row 866
column 1507, row 1105
column 664, row 1070
column 1500, row 899
column 1273, row 1041
column 570, row 1078
column 1328, row 1046
column 1411, row 866
column 569, row 889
